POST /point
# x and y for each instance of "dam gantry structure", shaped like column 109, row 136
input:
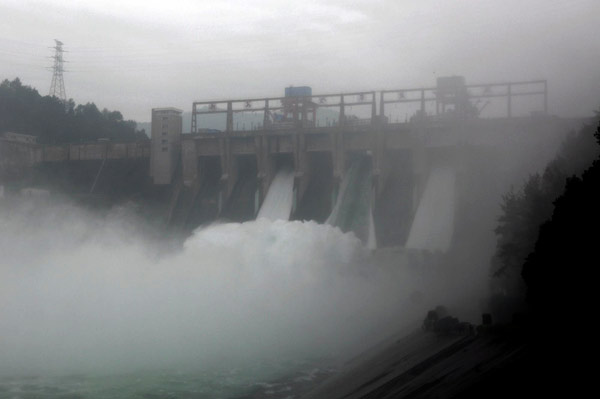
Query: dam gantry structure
column 226, row 172
column 230, row 171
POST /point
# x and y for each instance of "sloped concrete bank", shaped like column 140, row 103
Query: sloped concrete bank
column 426, row 364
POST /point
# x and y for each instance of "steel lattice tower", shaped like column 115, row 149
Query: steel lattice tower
column 57, row 87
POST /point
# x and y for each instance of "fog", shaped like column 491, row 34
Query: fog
column 91, row 291
column 113, row 291
column 136, row 55
column 83, row 293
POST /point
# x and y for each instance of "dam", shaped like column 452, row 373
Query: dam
column 392, row 169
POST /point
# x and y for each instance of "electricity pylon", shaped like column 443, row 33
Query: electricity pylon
column 57, row 87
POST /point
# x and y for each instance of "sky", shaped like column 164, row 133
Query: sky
column 133, row 56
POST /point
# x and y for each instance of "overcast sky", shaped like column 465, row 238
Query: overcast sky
column 135, row 55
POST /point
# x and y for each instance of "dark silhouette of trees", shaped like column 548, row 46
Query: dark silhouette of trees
column 560, row 275
column 558, row 271
column 24, row 110
column 524, row 211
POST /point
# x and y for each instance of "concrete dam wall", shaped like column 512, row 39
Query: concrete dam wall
column 227, row 175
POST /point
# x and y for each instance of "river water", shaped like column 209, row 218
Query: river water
column 264, row 380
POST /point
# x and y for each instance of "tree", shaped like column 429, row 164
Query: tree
column 524, row 211
column 24, row 110
column 560, row 275
column 558, row 271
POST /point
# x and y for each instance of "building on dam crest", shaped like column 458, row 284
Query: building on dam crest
column 166, row 143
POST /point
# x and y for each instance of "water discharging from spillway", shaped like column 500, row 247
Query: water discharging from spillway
column 279, row 200
column 353, row 208
column 93, row 295
column 433, row 225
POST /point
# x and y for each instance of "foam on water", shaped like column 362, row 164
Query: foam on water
column 433, row 225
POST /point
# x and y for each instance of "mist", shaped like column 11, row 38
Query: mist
column 133, row 56
column 81, row 292
column 133, row 254
column 104, row 292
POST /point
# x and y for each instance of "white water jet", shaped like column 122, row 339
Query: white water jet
column 433, row 225
column 353, row 208
column 371, row 238
column 334, row 215
column 280, row 197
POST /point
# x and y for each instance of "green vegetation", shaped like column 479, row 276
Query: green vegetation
column 24, row 110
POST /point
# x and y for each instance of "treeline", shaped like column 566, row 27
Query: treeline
column 557, row 260
column 24, row 110
column 526, row 209
column 560, row 271
column 548, row 238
